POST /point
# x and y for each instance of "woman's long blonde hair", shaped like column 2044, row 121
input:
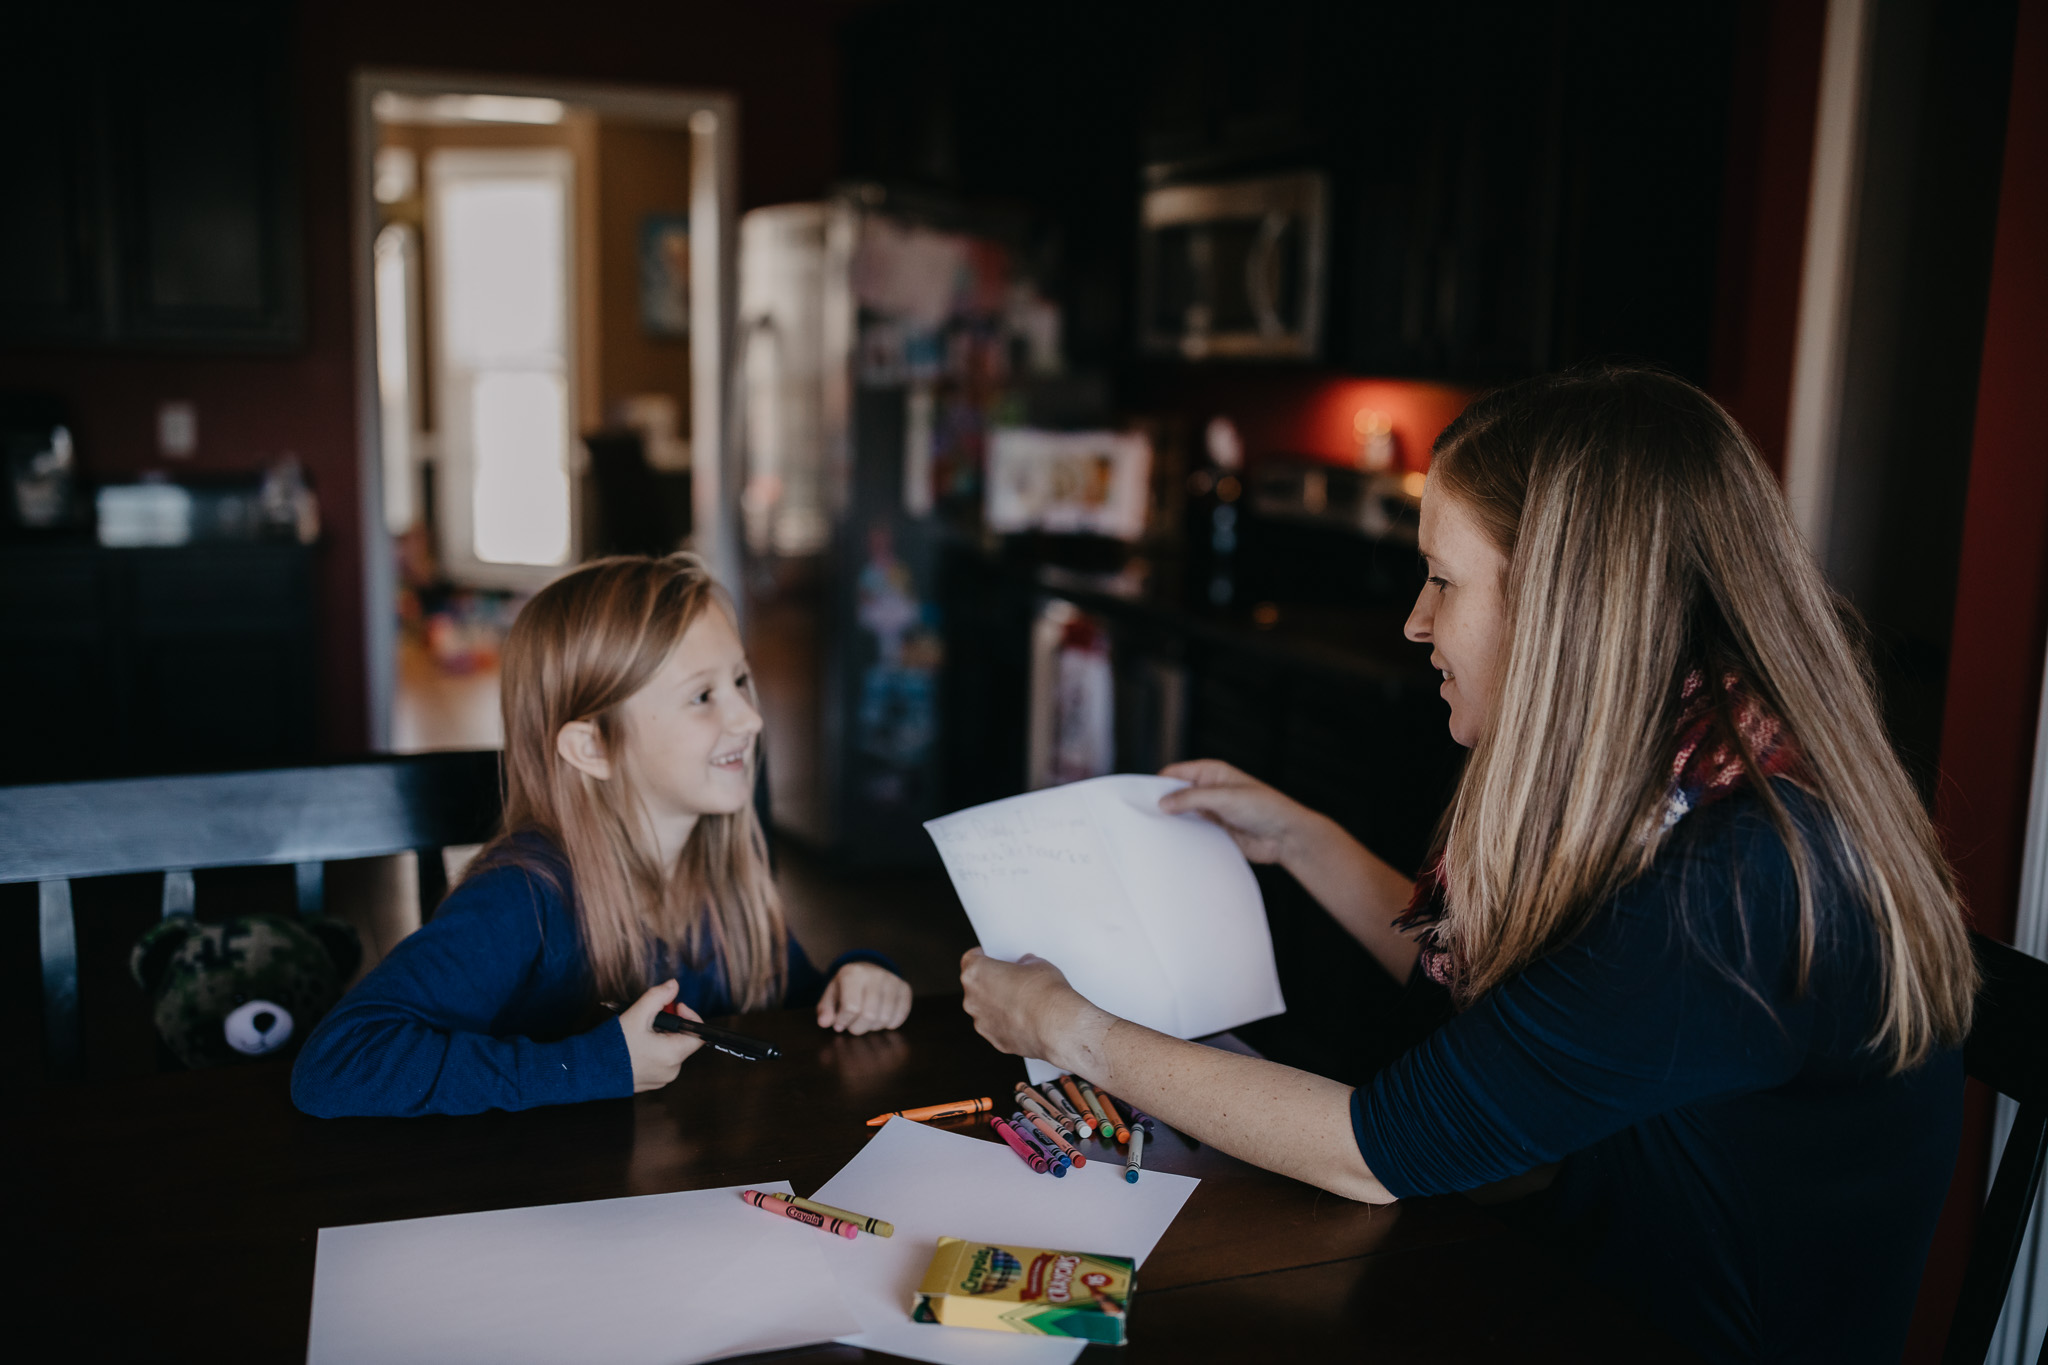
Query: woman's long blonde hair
column 584, row 644
column 1646, row 540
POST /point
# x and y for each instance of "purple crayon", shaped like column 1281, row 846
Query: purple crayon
column 1025, row 1153
column 1036, row 1141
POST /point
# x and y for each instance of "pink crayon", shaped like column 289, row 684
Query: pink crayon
column 1018, row 1145
column 776, row 1203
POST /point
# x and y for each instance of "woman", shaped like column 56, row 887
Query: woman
column 1706, row 949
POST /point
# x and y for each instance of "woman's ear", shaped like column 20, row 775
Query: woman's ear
column 582, row 748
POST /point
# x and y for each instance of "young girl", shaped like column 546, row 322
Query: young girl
column 1707, row 952
column 631, row 869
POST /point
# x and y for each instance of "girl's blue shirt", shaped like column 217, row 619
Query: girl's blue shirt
column 488, row 1006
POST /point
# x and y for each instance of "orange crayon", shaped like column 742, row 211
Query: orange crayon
column 1116, row 1120
column 1054, row 1136
column 927, row 1113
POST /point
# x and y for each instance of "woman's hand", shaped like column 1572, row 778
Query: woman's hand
column 657, row 1057
column 1026, row 1007
column 1269, row 827
column 862, row 997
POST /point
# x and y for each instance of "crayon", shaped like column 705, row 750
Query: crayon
column 1104, row 1122
column 1116, row 1121
column 1049, row 1095
column 1032, row 1106
column 1131, row 1113
column 779, row 1203
column 1052, row 1135
column 1085, row 1125
column 873, row 1226
column 1077, row 1119
column 1056, row 1162
column 1017, row 1144
column 1137, row 1151
column 926, row 1113
column 1057, row 1109
column 1022, row 1123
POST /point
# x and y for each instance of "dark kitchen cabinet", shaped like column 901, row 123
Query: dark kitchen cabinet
column 1515, row 186
column 126, row 661
column 152, row 192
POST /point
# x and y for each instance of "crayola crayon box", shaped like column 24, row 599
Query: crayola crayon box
column 1025, row 1289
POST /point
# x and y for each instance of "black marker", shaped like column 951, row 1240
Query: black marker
column 725, row 1040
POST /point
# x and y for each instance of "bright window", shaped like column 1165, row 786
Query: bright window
column 501, row 251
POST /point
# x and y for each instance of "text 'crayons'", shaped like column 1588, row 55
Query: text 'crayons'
column 778, row 1203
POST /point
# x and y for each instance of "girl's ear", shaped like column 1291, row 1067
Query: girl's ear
column 582, row 748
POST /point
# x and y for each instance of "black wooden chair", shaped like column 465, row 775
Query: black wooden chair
column 53, row 833
column 2008, row 1051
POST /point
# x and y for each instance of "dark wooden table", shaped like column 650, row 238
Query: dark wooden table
column 176, row 1218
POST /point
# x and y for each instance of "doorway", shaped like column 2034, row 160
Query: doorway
column 544, row 303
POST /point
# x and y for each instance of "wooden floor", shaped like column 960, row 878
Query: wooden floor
column 433, row 709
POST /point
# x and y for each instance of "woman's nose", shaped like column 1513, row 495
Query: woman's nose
column 743, row 719
column 1421, row 618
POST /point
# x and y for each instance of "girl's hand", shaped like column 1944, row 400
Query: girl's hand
column 657, row 1057
column 862, row 997
column 1268, row 826
column 1025, row 1007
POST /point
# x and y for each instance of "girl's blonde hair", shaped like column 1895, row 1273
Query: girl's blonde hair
column 1646, row 540
column 584, row 644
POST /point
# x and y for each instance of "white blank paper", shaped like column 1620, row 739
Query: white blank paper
column 1153, row 917
column 933, row 1184
column 661, row 1279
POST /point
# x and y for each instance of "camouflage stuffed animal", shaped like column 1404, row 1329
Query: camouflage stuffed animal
column 244, row 988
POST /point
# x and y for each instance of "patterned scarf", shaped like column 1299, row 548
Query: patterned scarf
column 1705, row 769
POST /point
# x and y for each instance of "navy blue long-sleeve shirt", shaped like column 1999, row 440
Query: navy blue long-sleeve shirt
column 1735, row 1160
column 489, row 1006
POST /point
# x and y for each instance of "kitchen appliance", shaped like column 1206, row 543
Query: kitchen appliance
column 1234, row 268
column 874, row 348
column 39, row 465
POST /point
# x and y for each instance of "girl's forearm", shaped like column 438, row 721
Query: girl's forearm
column 1362, row 892
column 1258, row 1111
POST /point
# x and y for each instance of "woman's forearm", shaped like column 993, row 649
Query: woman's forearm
column 1360, row 889
column 1258, row 1111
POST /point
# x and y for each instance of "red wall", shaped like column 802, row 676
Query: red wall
column 2001, row 622
column 1763, row 214
column 778, row 56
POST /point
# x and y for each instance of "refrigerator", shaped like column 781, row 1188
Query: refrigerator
column 874, row 352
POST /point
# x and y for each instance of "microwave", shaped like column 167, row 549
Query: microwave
column 1234, row 268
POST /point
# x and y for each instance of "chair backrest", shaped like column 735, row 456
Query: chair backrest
column 2008, row 1051
column 305, row 817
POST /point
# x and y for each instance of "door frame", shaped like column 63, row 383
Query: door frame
column 712, row 119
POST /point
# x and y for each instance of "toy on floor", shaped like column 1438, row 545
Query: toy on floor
column 244, row 988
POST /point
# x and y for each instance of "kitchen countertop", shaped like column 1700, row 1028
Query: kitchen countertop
column 1361, row 642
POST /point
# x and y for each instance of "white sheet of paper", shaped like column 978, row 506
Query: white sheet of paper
column 933, row 1184
column 663, row 1279
column 1154, row 917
